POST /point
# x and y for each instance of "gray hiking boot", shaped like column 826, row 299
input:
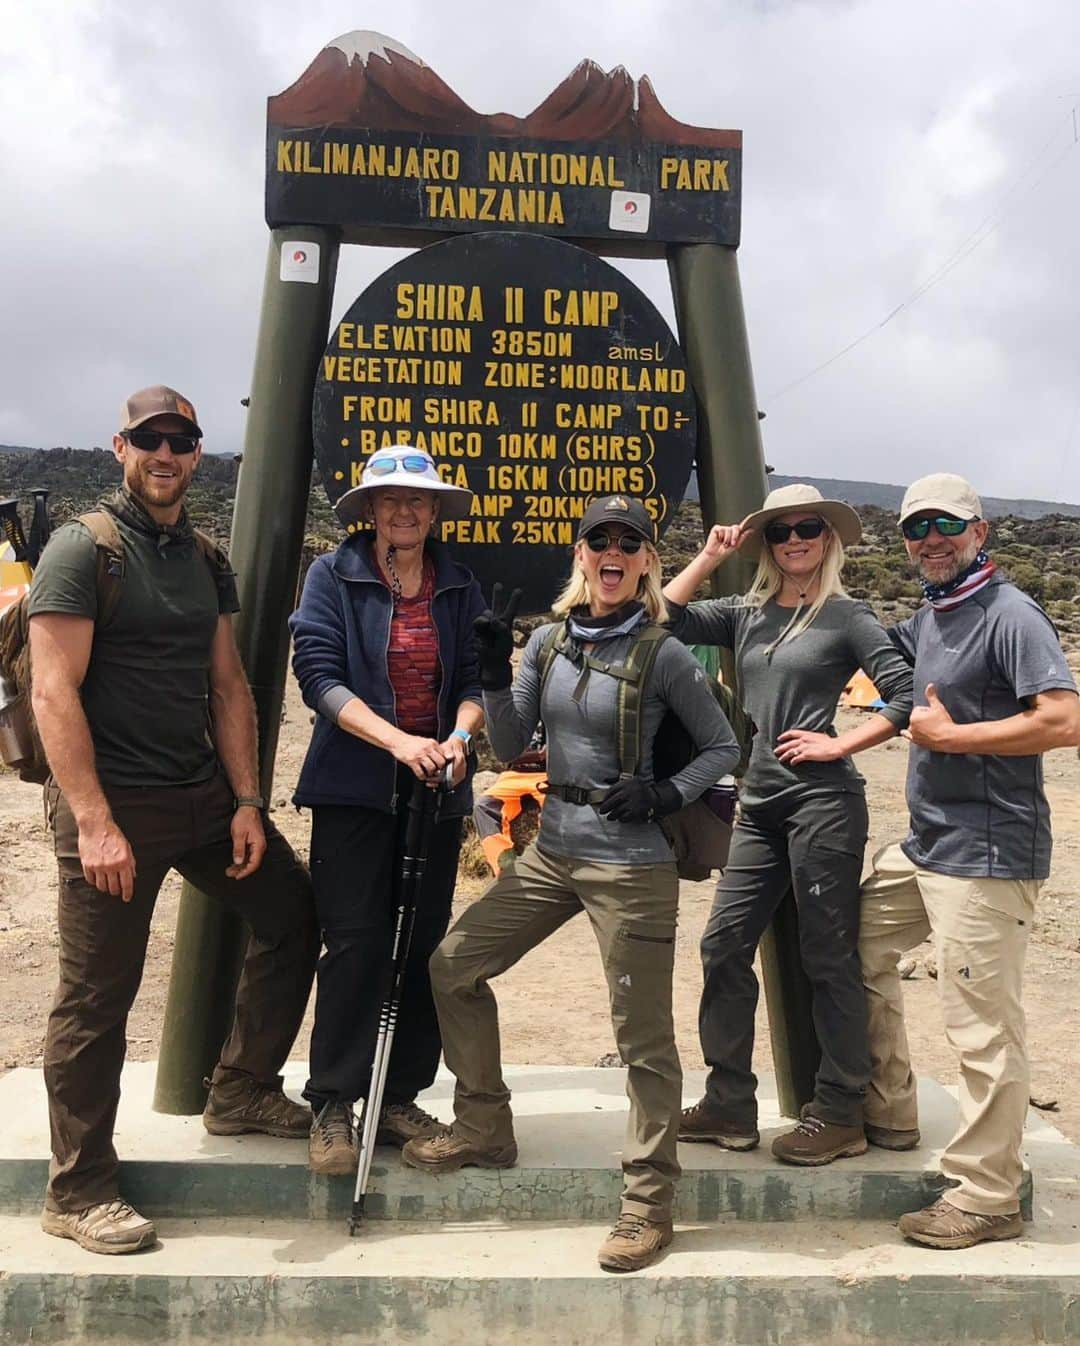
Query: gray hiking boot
column 109, row 1227
column 333, row 1145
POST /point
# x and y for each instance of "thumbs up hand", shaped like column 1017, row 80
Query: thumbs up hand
column 931, row 725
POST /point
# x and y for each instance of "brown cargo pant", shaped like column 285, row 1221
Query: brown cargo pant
column 980, row 929
column 103, row 946
column 633, row 912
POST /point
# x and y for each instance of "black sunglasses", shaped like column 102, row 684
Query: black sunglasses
column 916, row 529
column 777, row 532
column 149, row 440
column 628, row 543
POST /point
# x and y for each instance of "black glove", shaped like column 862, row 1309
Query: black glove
column 495, row 640
column 633, row 800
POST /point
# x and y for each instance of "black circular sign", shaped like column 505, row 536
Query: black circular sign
column 533, row 373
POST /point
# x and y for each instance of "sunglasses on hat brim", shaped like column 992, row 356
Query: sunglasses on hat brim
column 917, row 529
column 150, row 440
column 807, row 529
column 405, row 462
column 628, row 543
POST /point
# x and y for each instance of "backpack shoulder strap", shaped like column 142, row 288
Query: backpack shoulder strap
column 638, row 667
column 551, row 645
column 102, row 527
column 215, row 556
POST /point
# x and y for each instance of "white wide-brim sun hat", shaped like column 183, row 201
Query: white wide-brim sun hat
column 800, row 498
column 454, row 501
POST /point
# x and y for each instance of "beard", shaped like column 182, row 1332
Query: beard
column 945, row 574
column 156, row 491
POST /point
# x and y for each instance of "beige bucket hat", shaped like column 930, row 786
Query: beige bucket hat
column 800, row 497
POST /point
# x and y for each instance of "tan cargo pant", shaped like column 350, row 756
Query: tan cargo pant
column 633, row 911
column 980, row 929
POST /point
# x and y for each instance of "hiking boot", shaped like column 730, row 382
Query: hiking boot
column 243, row 1105
column 401, row 1122
column 702, row 1123
column 944, row 1225
column 333, row 1145
column 634, row 1242
column 885, row 1138
column 109, row 1227
column 813, row 1142
column 446, row 1151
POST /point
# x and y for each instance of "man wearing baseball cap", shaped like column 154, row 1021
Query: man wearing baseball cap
column 993, row 692
column 149, row 728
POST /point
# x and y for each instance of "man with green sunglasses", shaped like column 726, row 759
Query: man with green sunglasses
column 993, row 691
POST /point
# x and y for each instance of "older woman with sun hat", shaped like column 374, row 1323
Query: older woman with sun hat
column 797, row 639
column 600, row 850
column 384, row 652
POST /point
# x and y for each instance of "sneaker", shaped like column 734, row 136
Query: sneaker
column 944, row 1225
column 239, row 1106
column 701, row 1123
column 401, row 1122
column 634, row 1242
column 333, row 1143
column 885, row 1138
column 446, row 1151
column 813, row 1142
column 109, row 1227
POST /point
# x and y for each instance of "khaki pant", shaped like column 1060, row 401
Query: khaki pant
column 980, row 929
column 633, row 910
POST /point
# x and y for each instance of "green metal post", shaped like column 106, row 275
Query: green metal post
column 267, row 538
column 732, row 483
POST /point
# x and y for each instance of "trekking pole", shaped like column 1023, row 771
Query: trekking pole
column 40, row 527
column 11, row 526
column 423, row 808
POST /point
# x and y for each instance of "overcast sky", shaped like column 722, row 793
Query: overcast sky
column 885, row 143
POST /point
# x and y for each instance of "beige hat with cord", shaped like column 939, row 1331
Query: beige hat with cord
column 800, row 498
column 402, row 465
column 943, row 491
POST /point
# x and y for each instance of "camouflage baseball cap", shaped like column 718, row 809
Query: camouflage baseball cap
column 143, row 406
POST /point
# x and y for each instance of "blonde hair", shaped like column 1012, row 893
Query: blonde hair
column 769, row 580
column 650, row 588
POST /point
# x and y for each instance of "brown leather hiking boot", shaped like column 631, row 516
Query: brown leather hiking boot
column 634, row 1242
column 446, row 1151
column 401, row 1122
column 333, row 1145
column 239, row 1106
column 813, row 1142
column 885, row 1138
column 944, row 1225
column 109, row 1227
column 703, row 1123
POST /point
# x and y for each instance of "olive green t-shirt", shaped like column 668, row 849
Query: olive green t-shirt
column 146, row 690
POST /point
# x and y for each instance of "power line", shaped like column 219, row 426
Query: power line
column 984, row 230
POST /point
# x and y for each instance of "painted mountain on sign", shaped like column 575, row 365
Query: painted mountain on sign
column 365, row 80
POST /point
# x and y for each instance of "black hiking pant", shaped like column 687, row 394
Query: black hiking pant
column 813, row 844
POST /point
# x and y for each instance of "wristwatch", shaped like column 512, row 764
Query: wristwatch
column 249, row 801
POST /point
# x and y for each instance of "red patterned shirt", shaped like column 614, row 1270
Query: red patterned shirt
column 413, row 658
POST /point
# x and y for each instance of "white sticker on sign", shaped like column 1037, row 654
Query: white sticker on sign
column 300, row 261
column 630, row 212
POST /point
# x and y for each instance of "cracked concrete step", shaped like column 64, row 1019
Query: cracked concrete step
column 828, row 1283
column 569, row 1125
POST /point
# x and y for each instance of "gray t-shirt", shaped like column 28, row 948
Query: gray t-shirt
column 976, row 815
column 797, row 685
column 582, row 742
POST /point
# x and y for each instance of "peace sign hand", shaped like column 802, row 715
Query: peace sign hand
column 495, row 639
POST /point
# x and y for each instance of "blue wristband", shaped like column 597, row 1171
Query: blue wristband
column 463, row 734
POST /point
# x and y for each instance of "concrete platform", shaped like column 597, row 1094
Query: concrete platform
column 569, row 1125
column 491, row 1284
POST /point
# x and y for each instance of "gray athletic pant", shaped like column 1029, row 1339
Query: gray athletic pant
column 814, row 844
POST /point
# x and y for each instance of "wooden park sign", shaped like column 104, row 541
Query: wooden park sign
column 534, row 373
column 371, row 140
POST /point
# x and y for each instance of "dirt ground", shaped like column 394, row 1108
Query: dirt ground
column 553, row 1006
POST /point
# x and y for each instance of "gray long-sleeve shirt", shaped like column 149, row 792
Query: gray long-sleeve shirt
column 583, row 743
column 798, row 684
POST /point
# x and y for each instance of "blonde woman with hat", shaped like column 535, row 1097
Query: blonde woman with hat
column 797, row 639
column 384, row 653
column 600, row 850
